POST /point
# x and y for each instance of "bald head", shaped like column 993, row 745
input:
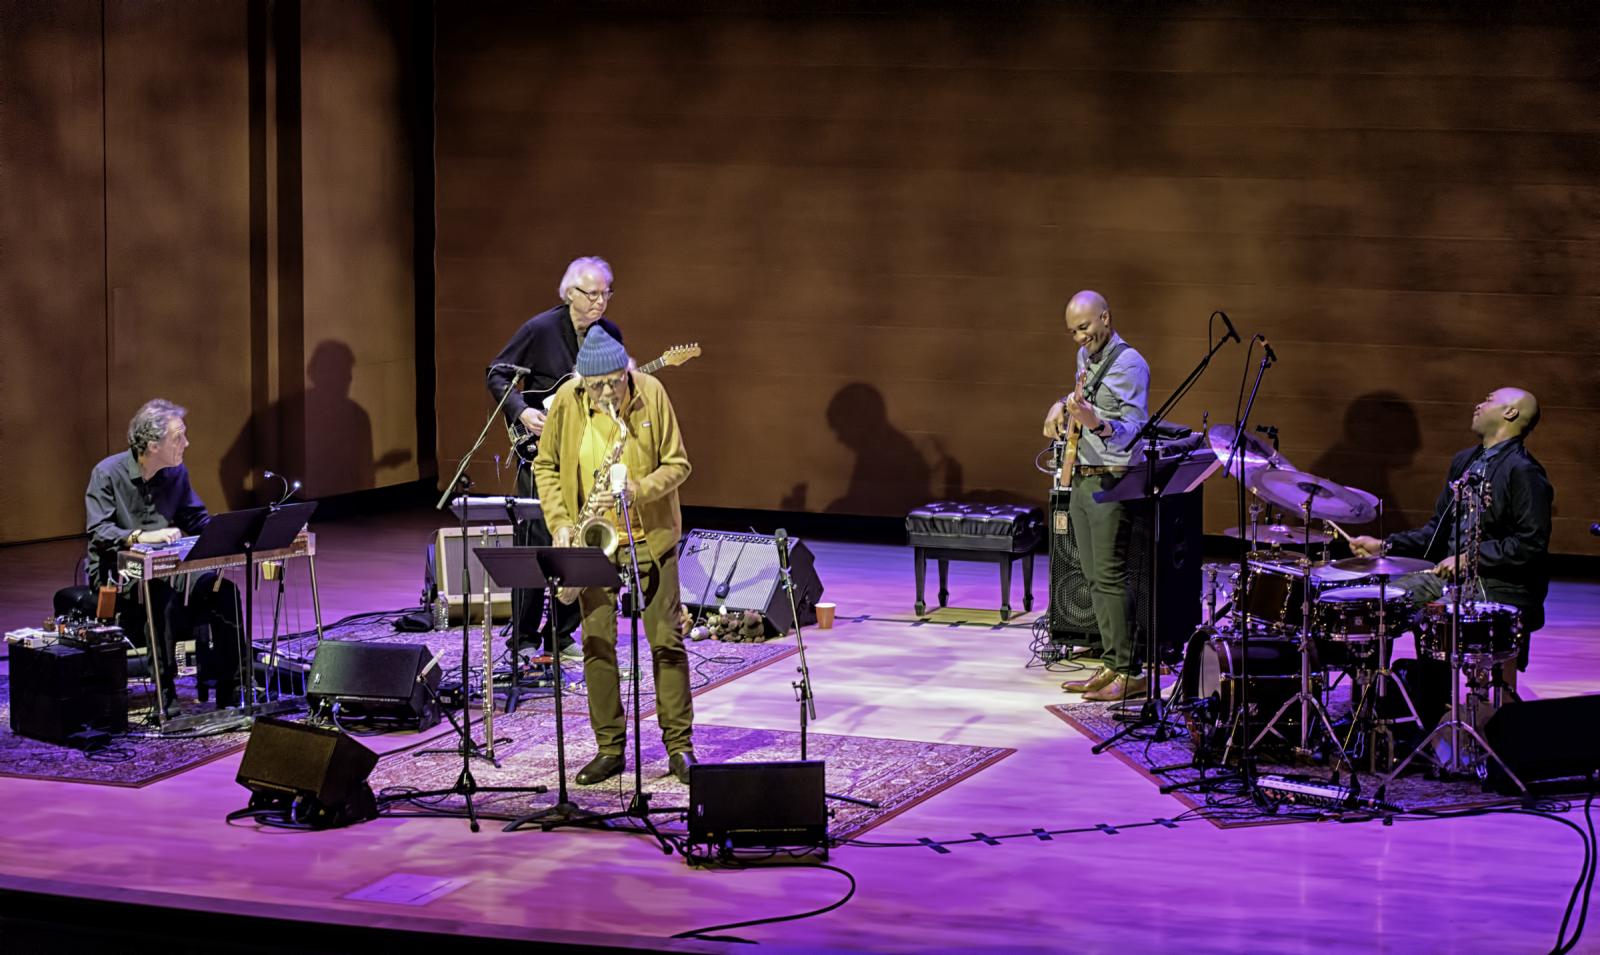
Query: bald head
column 1089, row 320
column 1505, row 413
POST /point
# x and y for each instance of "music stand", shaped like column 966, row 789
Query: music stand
column 1151, row 480
column 489, row 509
column 513, row 567
column 581, row 567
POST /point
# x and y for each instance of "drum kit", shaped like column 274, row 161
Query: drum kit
column 1256, row 674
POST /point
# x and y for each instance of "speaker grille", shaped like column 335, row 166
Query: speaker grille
column 740, row 572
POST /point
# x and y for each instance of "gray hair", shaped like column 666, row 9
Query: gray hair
column 150, row 423
column 582, row 264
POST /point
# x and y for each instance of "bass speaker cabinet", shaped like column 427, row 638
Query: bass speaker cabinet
column 317, row 776
column 748, row 805
column 1545, row 742
column 1177, row 592
column 719, row 569
column 58, row 690
column 445, row 579
column 378, row 681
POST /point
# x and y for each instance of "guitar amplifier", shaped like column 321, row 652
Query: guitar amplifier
column 445, row 566
column 57, row 690
column 739, row 571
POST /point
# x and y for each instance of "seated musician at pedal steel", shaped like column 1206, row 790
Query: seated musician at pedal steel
column 547, row 345
column 1514, row 532
column 143, row 496
column 1111, row 408
column 581, row 441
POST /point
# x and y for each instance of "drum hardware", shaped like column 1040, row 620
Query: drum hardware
column 1349, row 616
column 1310, row 703
column 1455, row 760
column 1277, row 535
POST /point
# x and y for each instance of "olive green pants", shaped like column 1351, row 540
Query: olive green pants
column 669, row 660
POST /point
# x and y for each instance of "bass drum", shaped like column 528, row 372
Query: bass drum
column 1214, row 687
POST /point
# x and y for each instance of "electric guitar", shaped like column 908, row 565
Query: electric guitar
column 1069, row 455
column 526, row 444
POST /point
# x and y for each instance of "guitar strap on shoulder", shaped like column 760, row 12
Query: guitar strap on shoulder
column 1093, row 387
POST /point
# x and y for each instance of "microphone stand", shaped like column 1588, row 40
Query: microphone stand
column 802, row 686
column 1150, row 711
column 465, row 785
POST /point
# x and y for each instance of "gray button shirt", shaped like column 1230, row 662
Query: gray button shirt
column 1122, row 401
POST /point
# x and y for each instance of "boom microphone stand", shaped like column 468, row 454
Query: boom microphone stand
column 1150, row 711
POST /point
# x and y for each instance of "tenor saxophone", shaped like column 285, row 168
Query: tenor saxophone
column 595, row 526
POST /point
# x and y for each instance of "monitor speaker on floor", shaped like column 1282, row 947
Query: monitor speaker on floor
column 1549, row 744
column 307, row 775
column 739, row 571
column 387, row 682
column 756, row 805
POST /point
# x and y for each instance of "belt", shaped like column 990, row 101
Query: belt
column 1095, row 470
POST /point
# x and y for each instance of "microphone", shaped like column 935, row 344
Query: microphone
column 515, row 369
column 1266, row 347
column 782, row 540
column 1231, row 333
column 619, row 479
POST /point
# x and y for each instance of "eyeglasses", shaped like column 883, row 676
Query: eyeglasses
column 602, row 384
column 598, row 295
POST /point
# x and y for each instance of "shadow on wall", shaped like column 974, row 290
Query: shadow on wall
column 1361, row 460
column 339, row 456
column 890, row 476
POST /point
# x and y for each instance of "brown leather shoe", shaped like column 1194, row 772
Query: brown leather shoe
column 1119, row 688
column 1093, row 681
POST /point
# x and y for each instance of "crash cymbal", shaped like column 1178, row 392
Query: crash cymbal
column 1383, row 566
column 1280, row 534
column 1255, row 453
column 1330, row 500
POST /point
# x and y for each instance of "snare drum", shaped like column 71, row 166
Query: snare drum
column 1487, row 630
column 1350, row 614
column 1213, row 682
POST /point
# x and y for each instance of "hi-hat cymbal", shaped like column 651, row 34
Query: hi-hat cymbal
column 1329, row 500
column 1278, row 534
column 1383, row 566
column 1253, row 453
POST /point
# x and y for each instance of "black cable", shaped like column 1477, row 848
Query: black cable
column 703, row 933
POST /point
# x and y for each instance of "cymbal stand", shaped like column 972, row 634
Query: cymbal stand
column 1369, row 720
column 1466, row 495
column 1309, row 703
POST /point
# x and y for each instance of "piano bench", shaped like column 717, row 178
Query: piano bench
column 993, row 533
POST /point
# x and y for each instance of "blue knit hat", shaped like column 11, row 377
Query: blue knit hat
column 601, row 354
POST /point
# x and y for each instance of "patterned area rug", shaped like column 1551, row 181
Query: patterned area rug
column 895, row 774
column 140, row 758
column 1227, row 807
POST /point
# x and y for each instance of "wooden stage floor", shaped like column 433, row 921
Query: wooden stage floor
column 1486, row 884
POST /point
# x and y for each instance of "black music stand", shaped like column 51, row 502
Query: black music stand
column 513, row 567
column 226, row 534
column 581, row 567
column 486, row 509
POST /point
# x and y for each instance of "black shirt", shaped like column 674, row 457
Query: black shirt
column 547, row 344
column 120, row 501
column 1514, row 547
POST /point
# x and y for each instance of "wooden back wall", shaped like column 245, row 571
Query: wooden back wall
column 871, row 222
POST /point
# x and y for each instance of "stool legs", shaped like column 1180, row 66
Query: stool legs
column 944, row 581
column 1005, row 589
column 1027, row 582
column 920, row 558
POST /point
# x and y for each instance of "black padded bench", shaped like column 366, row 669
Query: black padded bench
column 995, row 533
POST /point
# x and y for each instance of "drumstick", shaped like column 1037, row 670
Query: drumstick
column 1347, row 538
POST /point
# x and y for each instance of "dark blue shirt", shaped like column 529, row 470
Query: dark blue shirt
column 120, row 501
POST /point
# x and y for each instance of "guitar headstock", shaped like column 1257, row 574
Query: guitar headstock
column 678, row 354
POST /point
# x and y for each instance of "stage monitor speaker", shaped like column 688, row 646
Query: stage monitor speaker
column 1553, row 742
column 446, row 570
column 747, row 805
column 317, row 776
column 718, row 569
column 375, row 681
column 1177, row 604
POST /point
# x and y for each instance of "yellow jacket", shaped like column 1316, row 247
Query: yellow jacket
column 654, row 454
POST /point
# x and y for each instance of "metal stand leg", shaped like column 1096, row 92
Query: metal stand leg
column 153, row 638
column 316, row 600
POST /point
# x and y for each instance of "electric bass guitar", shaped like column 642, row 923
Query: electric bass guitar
column 1069, row 455
column 526, row 444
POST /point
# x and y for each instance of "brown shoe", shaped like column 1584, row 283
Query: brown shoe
column 1094, row 681
column 1119, row 688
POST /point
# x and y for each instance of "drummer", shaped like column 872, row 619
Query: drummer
column 1514, row 541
